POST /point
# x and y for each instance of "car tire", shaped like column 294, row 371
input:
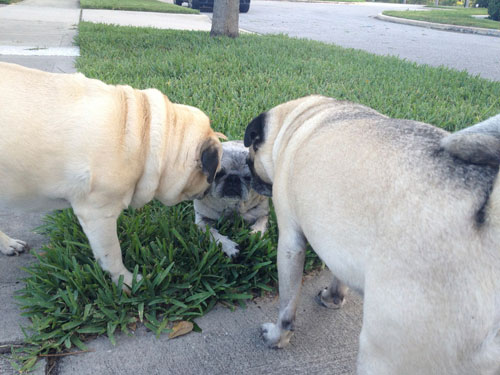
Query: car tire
column 178, row 2
column 244, row 8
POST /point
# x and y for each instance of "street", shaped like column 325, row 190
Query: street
column 354, row 26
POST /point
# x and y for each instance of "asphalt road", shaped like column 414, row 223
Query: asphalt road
column 354, row 26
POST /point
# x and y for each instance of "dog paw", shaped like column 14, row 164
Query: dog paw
column 331, row 301
column 230, row 248
column 11, row 246
column 258, row 231
column 127, row 280
column 274, row 337
column 260, row 227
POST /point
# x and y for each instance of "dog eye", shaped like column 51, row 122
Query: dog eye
column 220, row 174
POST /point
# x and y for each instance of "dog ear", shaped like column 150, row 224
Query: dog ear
column 254, row 134
column 210, row 158
column 221, row 136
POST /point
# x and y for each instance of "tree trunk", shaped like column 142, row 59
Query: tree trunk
column 436, row 2
column 225, row 18
column 466, row 3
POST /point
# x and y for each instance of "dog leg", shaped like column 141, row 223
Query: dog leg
column 291, row 255
column 230, row 248
column 100, row 227
column 332, row 297
column 10, row 246
column 370, row 362
column 260, row 225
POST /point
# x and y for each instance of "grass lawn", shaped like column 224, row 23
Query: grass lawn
column 140, row 5
column 451, row 16
column 68, row 297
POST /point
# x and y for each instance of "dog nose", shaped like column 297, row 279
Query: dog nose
column 232, row 186
column 232, row 180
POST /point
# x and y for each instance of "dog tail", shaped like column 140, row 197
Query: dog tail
column 486, row 360
column 478, row 144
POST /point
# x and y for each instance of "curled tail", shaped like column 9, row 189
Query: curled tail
column 478, row 144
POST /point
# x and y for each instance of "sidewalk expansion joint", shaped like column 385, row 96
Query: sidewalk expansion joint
column 39, row 51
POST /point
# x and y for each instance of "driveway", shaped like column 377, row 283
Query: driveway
column 354, row 26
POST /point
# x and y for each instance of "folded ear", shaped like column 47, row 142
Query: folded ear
column 478, row 144
column 211, row 151
column 254, row 134
column 221, row 136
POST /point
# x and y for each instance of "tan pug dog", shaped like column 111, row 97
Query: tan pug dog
column 67, row 140
column 412, row 227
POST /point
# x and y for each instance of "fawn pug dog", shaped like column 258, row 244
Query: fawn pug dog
column 67, row 140
column 411, row 224
column 231, row 192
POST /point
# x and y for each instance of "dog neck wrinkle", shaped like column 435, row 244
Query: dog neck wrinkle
column 178, row 144
column 148, row 184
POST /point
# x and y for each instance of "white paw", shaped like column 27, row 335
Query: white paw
column 275, row 337
column 127, row 279
column 10, row 246
column 259, row 227
column 230, row 248
column 258, row 230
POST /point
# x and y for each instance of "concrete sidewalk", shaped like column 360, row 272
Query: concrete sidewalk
column 325, row 343
column 39, row 34
column 34, row 28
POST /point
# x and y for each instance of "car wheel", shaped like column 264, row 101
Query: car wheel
column 244, row 8
column 178, row 2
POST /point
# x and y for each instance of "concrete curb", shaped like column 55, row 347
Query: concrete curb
column 438, row 26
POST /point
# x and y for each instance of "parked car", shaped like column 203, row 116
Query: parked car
column 208, row 5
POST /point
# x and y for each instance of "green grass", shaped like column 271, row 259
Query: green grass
column 139, row 5
column 67, row 296
column 471, row 10
column 451, row 16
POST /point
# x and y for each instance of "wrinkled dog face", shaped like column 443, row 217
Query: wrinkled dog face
column 234, row 179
